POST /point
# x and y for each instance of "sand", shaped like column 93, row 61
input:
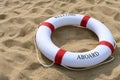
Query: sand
column 20, row 18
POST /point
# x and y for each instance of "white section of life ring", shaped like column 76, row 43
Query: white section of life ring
column 66, row 58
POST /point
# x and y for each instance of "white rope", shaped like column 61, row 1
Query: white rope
column 37, row 54
column 70, row 68
column 115, row 44
column 86, row 68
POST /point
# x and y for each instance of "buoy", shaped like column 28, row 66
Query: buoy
column 93, row 57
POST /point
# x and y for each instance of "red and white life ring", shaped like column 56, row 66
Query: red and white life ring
column 66, row 58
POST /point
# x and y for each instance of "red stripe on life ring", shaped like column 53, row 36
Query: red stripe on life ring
column 59, row 56
column 84, row 21
column 49, row 25
column 107, row 44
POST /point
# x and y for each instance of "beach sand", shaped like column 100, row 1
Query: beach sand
column 20, row 18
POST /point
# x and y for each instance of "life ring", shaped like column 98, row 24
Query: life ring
column 102, row 51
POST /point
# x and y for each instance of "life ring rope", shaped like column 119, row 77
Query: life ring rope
column 37, row 54
column 86, row 68
column 70, row 68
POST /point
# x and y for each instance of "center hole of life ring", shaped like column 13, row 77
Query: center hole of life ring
column 74, row 39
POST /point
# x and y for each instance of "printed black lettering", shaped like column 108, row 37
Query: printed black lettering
column 97, row 54
column 93, row 54
column 88, row 56
column 62, row 15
